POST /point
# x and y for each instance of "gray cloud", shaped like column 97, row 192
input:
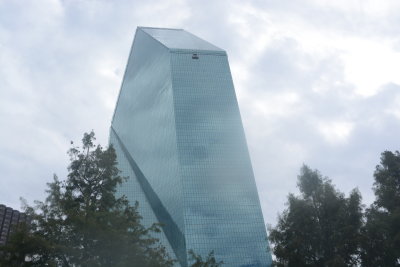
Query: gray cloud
column 298, row 68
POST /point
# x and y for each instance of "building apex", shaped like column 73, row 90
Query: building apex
column 179, row 39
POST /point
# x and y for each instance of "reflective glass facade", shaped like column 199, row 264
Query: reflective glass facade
column 179, row 138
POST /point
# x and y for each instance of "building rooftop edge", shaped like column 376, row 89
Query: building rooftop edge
column 197, row 51
column 186, row 40
column 159, row 28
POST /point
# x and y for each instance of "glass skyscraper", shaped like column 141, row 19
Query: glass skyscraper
column 179, row 138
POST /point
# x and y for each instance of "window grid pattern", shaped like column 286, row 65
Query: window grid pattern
column 9, row 218
column 178, row 118
column 132, row 190
column 144, row 120
column 222, row 209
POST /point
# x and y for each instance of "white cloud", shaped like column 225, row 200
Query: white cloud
column 370, row 64
column 282, row 105
column 336, row 132
column 368, row 8
column 394, row 107
column 161, row 13
column 316, row 82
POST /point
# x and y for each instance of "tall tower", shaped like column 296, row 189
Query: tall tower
column 179, row 138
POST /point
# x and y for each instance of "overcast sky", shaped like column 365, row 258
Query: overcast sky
column 318, row 82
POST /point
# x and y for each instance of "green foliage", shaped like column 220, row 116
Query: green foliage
column 23, row 245
column 83, row 223
column 321, row 227
column 198, row 261
column 381, row 233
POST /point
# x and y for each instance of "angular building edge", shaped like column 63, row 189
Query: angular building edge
column 167, row 196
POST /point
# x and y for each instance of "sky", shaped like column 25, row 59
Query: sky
column 317, row 81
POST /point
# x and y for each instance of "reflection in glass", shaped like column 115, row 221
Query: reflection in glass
column 179, row 138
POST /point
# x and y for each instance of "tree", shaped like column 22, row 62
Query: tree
column 83, row 223
column 321, row 227
column 210, row 261
column 381, row 233
column 20, row 245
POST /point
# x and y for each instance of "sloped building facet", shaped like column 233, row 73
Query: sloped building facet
column 179, row 138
